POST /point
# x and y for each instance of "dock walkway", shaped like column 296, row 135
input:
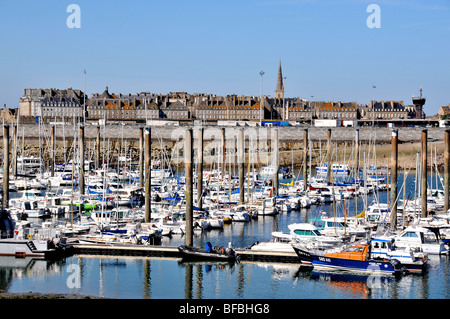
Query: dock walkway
column 172, row 252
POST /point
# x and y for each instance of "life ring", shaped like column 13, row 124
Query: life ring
column 29, row 236
column 110, row 199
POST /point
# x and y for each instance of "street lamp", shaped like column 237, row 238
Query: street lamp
column 284, row 79
column 261, row 73
column 373, row 105
column 84, row 103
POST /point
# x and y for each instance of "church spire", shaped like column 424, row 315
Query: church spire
column 279, row 91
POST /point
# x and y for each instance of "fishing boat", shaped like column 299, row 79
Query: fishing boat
column 413, row 260
column 208, row 253
column 355, row 258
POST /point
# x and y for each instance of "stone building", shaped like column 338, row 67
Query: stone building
column 387, row 110
column 336, row 110
column 52, row 103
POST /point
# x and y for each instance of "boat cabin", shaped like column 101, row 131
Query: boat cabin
column 354, row 252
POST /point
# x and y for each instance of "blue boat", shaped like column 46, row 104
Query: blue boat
column 353, row 258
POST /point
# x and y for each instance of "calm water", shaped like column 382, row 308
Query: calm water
column 146, row 278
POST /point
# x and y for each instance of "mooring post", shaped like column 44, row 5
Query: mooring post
column 356, row 167
column 276, row 160
column 329, row 166
column 394, row 168
column 5, row 200
column 148, row 174
column 188, row 154
column 53, row 138
column 200, row 168
column 305, row 160
column 446, row 169
column 14, row 159
column 222, row 143
column 81, row 160
column 241, row 161
column 141, row 157
column 424, row 173
column 97, row 148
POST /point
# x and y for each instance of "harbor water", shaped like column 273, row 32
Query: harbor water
column 165, row 278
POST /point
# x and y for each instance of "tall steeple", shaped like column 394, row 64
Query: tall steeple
column 279, row 91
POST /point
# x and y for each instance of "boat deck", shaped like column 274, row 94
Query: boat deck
column 172, row 252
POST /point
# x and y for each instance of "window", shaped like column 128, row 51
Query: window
column 410, row 235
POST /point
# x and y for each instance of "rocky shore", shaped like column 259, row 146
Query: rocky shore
column 36, row 295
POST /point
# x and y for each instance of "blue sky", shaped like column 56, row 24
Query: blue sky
column 219, row 47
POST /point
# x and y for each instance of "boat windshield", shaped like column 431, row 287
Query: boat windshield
column 354, row 249
column 302, row 232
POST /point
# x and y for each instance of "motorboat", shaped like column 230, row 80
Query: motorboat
column 353, row 258
column 337, row 169
column 305, row 233
column 23, row 241
column 424, row 238
column 279, row 242
column 412, row 259
column 208, row 253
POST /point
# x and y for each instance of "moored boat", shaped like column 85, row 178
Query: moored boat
column 208, row 253
column 354, row 258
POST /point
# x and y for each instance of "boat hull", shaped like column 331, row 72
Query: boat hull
column 342, row 264
column 191, row 253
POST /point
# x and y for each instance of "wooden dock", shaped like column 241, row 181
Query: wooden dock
column 172, row 252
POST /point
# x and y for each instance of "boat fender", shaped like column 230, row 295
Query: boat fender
column 396, row 263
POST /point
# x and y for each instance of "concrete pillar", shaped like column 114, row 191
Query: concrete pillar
column 147, row 189
column 141, row 157
column 5, row 166
column 188, row 154
column 200, row 168
column 446, row 169
column 97, row 149
column 356, row 154
column 81, row 159
column 424, row 210
column 329, row 156
column 223, row 151
column 53, row 140
column 241, row 161
column 276, row 159
column 15, row 151
column 305, row 160
column 394, row 168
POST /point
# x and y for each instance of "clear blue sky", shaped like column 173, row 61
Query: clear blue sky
column 219, row 47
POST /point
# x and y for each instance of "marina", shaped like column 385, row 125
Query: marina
column 350, row 220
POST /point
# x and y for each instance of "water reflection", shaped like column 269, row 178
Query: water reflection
column 159, row 278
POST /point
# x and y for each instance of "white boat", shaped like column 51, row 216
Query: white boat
column 305, row 233
column 337, row 169
column 421, row 238
column 20, row 242
column 411, row 258
column 279, row 242
column 238, row 214
column 268, row 207
column 29, row 208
